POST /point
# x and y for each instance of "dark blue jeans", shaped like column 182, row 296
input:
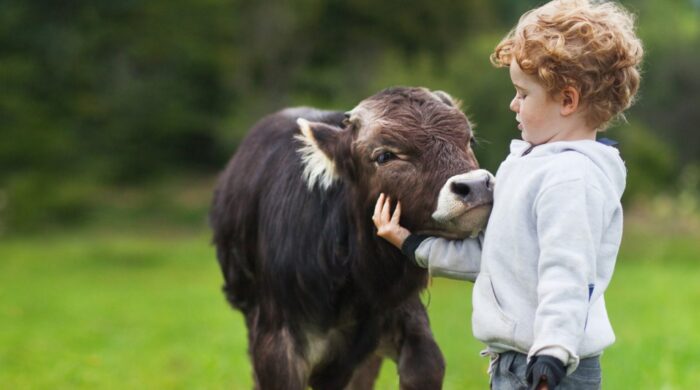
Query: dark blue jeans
column 508, row 373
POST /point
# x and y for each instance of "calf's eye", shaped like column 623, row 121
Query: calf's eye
column 384, row 157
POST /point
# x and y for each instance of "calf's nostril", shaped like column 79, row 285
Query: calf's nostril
column 461, row 189
column 488, row 183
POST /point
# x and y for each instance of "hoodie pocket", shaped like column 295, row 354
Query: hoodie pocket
column 489, row 323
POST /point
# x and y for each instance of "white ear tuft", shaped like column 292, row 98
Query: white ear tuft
column 318, row 167
column 305, row 128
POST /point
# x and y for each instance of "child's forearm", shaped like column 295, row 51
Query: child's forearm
column 454, row 259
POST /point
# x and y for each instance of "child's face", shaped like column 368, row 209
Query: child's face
column 538, row 115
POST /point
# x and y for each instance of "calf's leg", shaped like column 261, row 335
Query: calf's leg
column 420, row 361
column 366, row 374
column 277, row 363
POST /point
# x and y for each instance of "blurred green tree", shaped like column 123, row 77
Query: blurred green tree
column 103, row 93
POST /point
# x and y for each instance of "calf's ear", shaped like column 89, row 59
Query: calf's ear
column 324, row 149
column 448, row 99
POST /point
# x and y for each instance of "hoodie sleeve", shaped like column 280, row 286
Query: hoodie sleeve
column 568, row 218
column 454, row 259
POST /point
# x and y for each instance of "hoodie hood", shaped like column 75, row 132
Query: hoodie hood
column 605, row 157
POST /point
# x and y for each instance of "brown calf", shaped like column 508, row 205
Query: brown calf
column 323, row 297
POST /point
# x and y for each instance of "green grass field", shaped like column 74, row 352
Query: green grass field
column 134, row 309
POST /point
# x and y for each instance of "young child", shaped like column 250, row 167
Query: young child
column 552, row 239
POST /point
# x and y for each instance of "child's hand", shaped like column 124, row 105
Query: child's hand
column 387, row 225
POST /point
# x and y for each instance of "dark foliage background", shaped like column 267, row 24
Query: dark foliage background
column 101, row 96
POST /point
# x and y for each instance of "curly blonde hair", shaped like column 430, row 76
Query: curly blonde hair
column 590, row 46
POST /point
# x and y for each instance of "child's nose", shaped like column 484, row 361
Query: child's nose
column 514, row 106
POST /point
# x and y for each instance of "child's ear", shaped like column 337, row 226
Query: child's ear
column 569, row 101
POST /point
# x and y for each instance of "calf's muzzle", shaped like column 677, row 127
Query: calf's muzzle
column 473, row 190
column 464, row 203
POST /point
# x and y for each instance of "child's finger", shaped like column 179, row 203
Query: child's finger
column 397, row 214
column 378, row 208
column 386, row 209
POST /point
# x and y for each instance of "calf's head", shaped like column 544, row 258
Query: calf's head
column 415, row 146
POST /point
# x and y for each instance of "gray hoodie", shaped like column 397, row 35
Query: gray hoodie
column 548, row 252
